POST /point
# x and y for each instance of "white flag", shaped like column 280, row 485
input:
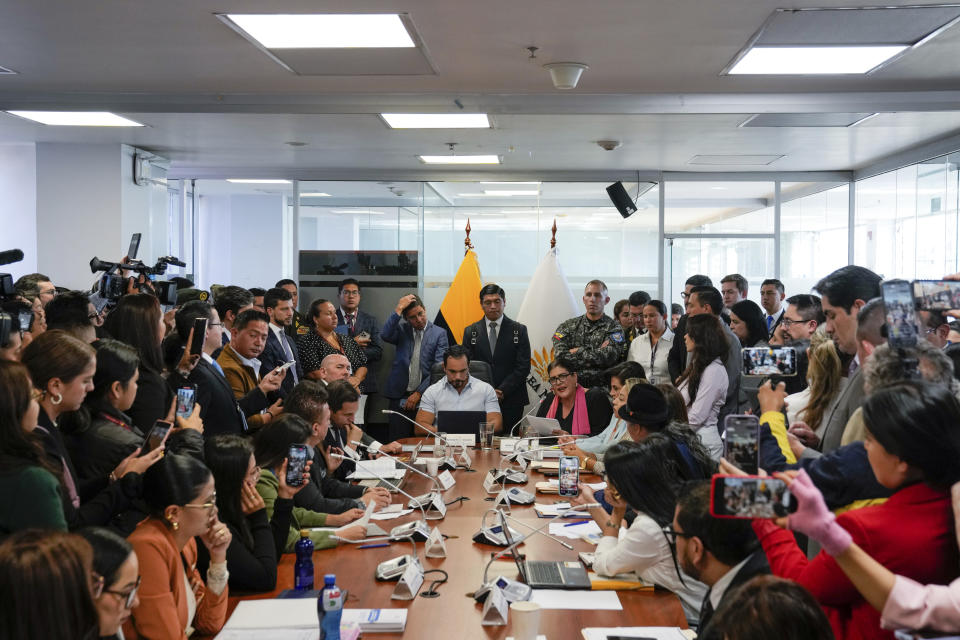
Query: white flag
column 548, row 302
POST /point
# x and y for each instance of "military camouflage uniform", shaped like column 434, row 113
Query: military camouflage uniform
column 590, row 360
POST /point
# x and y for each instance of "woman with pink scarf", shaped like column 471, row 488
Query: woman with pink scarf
column 579, row 411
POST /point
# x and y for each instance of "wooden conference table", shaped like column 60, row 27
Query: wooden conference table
column 454, row 614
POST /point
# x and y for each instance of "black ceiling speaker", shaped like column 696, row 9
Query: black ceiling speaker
column 621, row 200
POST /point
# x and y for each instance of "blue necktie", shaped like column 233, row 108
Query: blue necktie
column 216, row 365
column 769, row 323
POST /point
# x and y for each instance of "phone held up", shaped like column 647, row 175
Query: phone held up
column 569, row 476
column 742, row 447
column 769, row 361
column 186, row 399
column 749, row 497
column 901, row 312
column 296, row 464
column 156, row 436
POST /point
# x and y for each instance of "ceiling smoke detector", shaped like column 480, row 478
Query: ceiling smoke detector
column 609, row 145
column 565, row 75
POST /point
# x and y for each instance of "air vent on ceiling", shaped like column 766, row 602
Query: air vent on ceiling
column 805, row 119
column 734, row 159
column 7, row 72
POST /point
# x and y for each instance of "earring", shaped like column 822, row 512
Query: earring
column 173, row 524
column 57, row 400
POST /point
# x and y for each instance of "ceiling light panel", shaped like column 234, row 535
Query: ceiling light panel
column 511, row 192
column 257, row 181
column 806, row 119
column 814, row 60
column 734, row 160
column 317, row 194
column 325, row 31
column 436, row 120
column 478, row 159
column 77, row 118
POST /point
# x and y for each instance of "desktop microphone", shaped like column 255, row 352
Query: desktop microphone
column 517, row 424
column 520, row 477
column 422, row 512
column 428, row 498
column 435, row 435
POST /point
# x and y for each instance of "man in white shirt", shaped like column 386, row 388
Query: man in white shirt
column 771, row 299
column 722, row 553
column 459, row 391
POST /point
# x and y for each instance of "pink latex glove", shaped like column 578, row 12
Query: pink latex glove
column 813, row 519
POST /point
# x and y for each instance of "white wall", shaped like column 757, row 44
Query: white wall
column 18, row 193
column 144, row 207
column 241, row 240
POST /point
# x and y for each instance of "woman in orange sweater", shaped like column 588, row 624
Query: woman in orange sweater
column 174, row 598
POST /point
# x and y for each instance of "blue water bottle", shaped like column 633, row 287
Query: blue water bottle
column 330, row 608
column 303, row 568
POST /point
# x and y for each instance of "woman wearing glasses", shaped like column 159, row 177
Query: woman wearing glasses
column 258, row 542
column 645, row 477
column 118, row 579
column 174, row 597
column 579, row 411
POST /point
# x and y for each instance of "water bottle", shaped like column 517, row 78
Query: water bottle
column 330, row 608
column 303, row 568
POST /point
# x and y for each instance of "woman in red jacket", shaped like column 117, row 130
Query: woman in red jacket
column 913, row 444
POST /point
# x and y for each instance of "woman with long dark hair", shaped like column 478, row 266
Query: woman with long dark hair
column 29, row 484
column 704, row 382
column 651, row 349
column 181, row 498
column 62, row 369
column 579, row 411
column 646, row 477
column 100, row 435
column 323, row 340
column 257, row 542
column 913, row 446
column 138, row 321
column 748, row 323
column 115, row 562
column 47, row 586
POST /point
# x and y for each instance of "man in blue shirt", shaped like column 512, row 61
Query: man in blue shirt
column 459, row 391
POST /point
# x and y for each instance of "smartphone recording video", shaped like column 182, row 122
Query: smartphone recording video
column 900, row 308
column 156, row 436
column 296, row 464
column 569, row 476
column 749, row 497
column 742, row 448
column 769, row 361
column 936, row 295
column 186, row 399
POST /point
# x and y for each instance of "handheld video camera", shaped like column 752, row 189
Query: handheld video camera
column 113, row 285
column 7, row 293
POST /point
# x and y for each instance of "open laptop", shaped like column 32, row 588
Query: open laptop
column 460, row 421
column 547, row 574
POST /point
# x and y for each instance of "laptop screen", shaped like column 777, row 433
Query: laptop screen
column 460, row 421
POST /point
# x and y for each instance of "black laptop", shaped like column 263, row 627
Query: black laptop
column 460, row 421
column 541, row 574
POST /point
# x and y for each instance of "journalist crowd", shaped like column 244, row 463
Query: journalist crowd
column 106, row 537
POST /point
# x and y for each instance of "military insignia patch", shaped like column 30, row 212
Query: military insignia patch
column 558, row 336
column 617, row 336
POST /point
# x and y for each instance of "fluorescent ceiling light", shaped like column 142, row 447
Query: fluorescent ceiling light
column 363, row 211
column 256, row 181
column 507, row 192
column 324, row 31
column 477, row 195
column 814, row 59
column 536, row 182
column 77, row 118
column 460, row 159
column 436, row 120
column 315, row 194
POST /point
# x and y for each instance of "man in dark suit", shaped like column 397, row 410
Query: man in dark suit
column 677, row 358
column 280, row 348
column 301, row 324
column 772, row 294
column 420, row 344
column 362, row 327
column 722, row 553
column 505, row 345
column 220, row 411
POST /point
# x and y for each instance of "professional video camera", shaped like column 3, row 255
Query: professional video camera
column 113, row 284
column 7, row 293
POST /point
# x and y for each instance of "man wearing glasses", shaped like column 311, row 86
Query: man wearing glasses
column 801, row 319
column 365, row 331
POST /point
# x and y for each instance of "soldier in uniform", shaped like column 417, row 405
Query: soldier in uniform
column 593, row 342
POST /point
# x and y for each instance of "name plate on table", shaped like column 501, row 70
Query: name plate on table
column 490, row 482
column 494, row 608
column 436, row 546
column 446, row 480
column 409, row 583
column 438, row 505
column 507, row 445
column 462, row 439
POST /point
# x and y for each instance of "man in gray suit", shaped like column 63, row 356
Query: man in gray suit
column 855, row 318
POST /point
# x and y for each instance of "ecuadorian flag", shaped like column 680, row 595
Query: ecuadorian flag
column 461, row 306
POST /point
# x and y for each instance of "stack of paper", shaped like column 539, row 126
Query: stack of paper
column 651, row 633
column 553, row 485
column 381, row 467
column 620, row 582
column 556, row 509
column 297, row 618
column 577, row 599
column 377, row 620
column 575, row 531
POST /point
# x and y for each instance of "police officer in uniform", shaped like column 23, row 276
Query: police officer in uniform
column 593, row 342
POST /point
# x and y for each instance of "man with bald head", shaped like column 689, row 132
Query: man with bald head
column 334, row 367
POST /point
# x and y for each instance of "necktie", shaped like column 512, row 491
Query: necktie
column 769, row 323
column 350, row 321
column 216, row 365
column 706, row 612
column 414, row 372
column 493, row 336
column 284, row 340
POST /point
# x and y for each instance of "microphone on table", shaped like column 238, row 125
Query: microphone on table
column 517, row 423
column 511, row 589
column 502, row 475
column 463, row 450
column 420, row 500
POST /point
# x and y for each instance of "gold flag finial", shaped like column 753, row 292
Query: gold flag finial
column 467, row 245
column 553, row 237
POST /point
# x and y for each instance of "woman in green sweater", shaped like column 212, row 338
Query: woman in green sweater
column 31, row 488
column 271, row 445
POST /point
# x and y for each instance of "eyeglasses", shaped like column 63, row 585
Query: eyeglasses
column 560, row 377
column 95, row 315
column 206, row 505
column 214, row 324
column 347, row 292
column 673, row 534
column 128, row 596
column 787, row 322
column 96, row 585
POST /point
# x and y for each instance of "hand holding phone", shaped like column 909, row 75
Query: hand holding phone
column 766, row 361
column 186, row 398
column 157, row 436
column 900, row 308
column 296, row 464
column 742, row 447
column 569, row 476
column 749, row 497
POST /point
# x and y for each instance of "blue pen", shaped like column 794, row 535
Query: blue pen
column 373, row 546
column 573, row 524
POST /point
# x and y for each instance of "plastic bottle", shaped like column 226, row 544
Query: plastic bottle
column 303, row 568
column 330, row 608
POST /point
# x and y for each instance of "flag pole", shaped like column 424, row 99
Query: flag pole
column 467, row 245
